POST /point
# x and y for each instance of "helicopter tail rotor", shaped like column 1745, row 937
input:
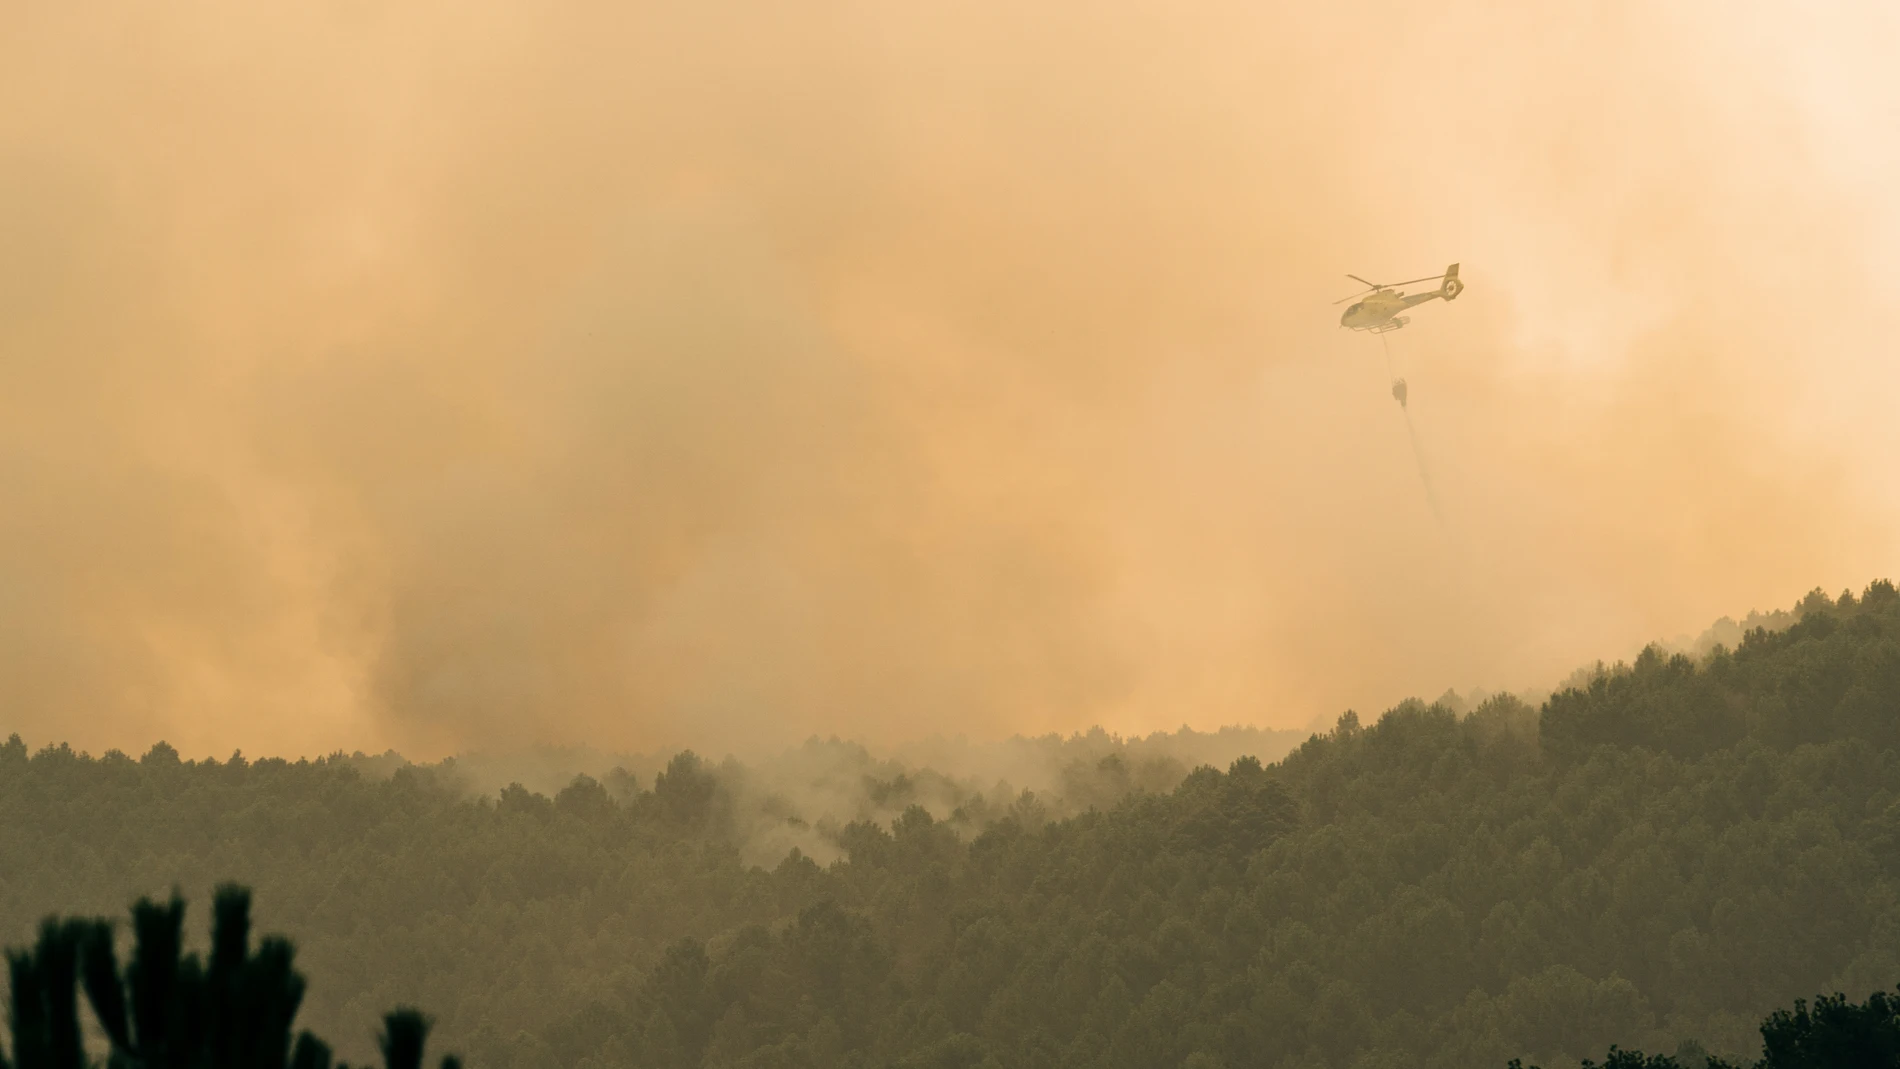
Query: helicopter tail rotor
column 1452, row 287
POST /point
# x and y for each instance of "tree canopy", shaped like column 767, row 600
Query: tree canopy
column 1654, row 860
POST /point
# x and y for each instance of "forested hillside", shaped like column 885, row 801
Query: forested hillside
column 1664, row 855
column 403, row 889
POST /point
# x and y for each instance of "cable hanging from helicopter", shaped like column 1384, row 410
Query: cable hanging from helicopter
column 1376, row 309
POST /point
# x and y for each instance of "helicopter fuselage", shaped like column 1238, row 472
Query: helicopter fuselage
column 1379, row 312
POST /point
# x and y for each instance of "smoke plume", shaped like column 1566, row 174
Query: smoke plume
column 479, row 375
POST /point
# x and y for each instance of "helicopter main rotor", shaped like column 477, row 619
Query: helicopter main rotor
column 1371, row 286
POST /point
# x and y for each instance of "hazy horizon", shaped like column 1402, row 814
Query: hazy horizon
column 487, row 376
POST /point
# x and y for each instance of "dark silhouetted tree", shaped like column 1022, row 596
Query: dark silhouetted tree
column 170, row 1010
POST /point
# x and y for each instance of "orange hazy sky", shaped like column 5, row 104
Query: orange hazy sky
column 445, row 375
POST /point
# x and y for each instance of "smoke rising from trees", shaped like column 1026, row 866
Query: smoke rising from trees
column 488, row 375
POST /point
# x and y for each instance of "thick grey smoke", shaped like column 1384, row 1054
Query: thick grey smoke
column 479, row 375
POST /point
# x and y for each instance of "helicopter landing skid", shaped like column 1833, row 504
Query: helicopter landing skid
column 1390, row 326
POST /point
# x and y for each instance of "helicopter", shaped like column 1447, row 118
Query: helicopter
column 1380, row 303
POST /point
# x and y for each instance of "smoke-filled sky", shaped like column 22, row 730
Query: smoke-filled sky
column 445, row 375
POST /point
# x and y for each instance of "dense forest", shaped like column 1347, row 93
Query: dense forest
column 236, row 1007
column 1653, row 859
